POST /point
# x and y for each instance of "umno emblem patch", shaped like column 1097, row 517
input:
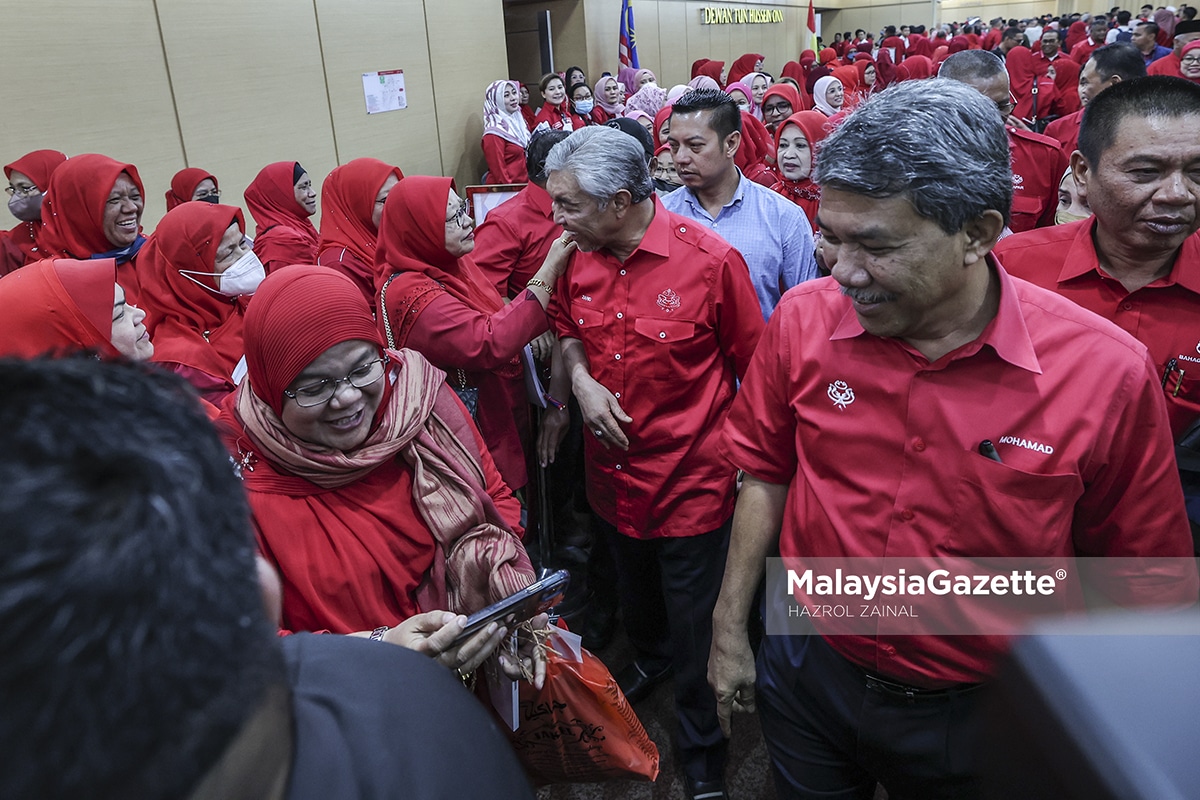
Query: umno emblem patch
column 841, row 394
column 668, row 301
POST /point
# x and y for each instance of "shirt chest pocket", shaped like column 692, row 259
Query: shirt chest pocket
column 669, row 346
column 1004, row 511
column 1026, row 210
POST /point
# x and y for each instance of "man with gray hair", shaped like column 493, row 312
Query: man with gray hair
column 922, row 403
column 1037, row 163
column 658, row 320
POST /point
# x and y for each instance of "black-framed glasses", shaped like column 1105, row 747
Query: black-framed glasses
column 28, row 191
column 206, row 195
column 781, row 109
column 321, row 392
column 461, row 216
column 1007, row 108
column 1190, row 60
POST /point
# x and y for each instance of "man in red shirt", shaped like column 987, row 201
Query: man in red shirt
column 921, row 402
column 1096, row 35
column 893, row 42
column 1186, row 31
column 658, row 320
column 1037, row 163
column 1049, row 59
column 1136, row 262
column 1111, row 64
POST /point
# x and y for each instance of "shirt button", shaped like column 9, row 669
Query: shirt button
column 618, row 466
column 683, row 229
column 617, row 356
column 581, row 322
column 1127, row 306
column 919, row 445
column 620, row 315
column 617, row 395
column 662, row 334
column 622, row 272
column 907, row 515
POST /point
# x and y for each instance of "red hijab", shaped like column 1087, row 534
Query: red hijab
column 794, row 71
column 788, row 93
column 663, row 114
column 348, row 202
column 885, row 70
column 918, row 67
column 271, row 198
column 756, row 151
column 189, row 324
column 184, row 184
column 713, row 70
column 412, row 243
column 696, row 65
column 827, row 56
column 58, row 305
column 38, row 166
column 73, row 211
column 743, row 66
column 804, row 193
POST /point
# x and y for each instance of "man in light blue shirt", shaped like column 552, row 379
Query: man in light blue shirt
column 770, row 232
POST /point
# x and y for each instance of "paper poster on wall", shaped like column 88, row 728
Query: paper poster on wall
column 384, row 91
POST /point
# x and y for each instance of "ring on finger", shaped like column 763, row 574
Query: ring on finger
column 599, row 433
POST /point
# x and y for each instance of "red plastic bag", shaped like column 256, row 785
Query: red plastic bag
column 580, row 728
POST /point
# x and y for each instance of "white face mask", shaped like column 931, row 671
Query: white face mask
column 242, row 277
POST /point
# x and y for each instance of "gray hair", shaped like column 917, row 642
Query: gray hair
column 938, row 143
column 969, row 66
column 603, row 161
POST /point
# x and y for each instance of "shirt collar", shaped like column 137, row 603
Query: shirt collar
column 738, row 194
column 657, row 239
column 1006, row 334
column 1082, row 258
column 539, row 198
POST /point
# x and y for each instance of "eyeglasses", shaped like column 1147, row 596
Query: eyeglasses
column 778, row 108
column 1190, row 60
column 28, row 191
column 206, row 195
column 321, row 392
column 1007, row 108
column 461, row 216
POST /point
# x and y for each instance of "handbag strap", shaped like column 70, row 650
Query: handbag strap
column 387, row 325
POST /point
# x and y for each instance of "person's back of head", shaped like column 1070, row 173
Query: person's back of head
column 1120, row 59
column 536, row 151
column 1013, row 35
column 972, row 67
column 1152, row 97
column 603, row 161
column 948, row 127
column 131, row 621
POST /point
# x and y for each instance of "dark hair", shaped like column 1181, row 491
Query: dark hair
column 1051, row 32
column 1119, row 58
column 725, row 117
column 1013, row 32
column 574, row 86
column 131, row 621
column 1188, row 13
column 890, row 30
column 1150, row 26
column 540, row 144
column 545, row 81
column 567, row 74
column 1123, row 17
column 1152, row 96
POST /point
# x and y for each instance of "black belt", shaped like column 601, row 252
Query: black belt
column 914, row 693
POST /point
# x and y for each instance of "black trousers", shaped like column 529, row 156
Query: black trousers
column 668, row 588
column 832, row 733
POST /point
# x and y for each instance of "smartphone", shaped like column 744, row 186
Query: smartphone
column 526, row 604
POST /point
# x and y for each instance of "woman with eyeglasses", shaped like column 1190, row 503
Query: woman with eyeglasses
column 352, row 196
column 371, row 492
column 433, row 299
column 191, row 184
column 198, row 273
column 281, row 199
column 28, row 177
column 1189, row 61
column 93, row 209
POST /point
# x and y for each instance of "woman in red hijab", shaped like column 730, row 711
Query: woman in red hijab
column 744, row 65
column 281, row 200
column 920, row 67
column 433, row 299
column 371, row 492
column 756, row 154
column 779, row 103
column 93, row 209
column 852, row 91
column 28, row 178
column 353, row 196
column 714, row 70
column 197, row 275
column 63, row 305
column 191, row 184
column 696, row 65
column 796, row 143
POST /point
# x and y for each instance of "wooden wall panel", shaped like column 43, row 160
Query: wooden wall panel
column 97, row 84
column 393, row 39
column 249, row 88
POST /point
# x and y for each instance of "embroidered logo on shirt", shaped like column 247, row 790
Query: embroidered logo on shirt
column 841, row 394
column 668, row 301
column 586, row 297
column 1037, row 447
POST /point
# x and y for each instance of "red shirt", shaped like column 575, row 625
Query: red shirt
column 1065, row 130
column 1164, row 315
column 1066, row 81
column 895, row 470
column 505, row 160
column 513, row 241
column 668, row 332
column 1037, row 166
column 1081, row 52
column 1168, row 65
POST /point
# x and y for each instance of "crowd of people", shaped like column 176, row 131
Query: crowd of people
column 765, row 318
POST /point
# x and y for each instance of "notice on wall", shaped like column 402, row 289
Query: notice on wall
column 384, row 91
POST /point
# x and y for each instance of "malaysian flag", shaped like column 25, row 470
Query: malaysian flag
column 628, row 49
